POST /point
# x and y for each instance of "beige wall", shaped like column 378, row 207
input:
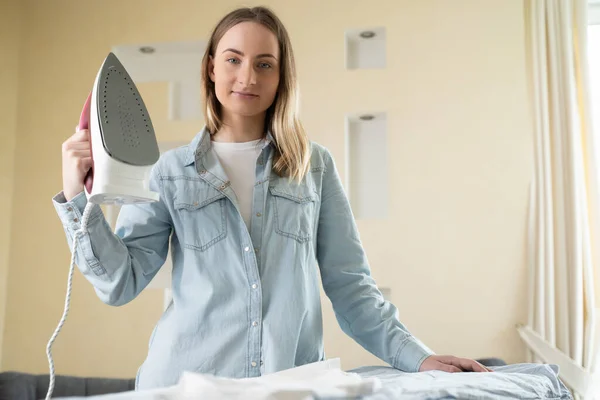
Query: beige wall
column 453, row 248
column 10, row 35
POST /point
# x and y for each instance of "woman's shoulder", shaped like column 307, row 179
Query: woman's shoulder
column 173, row 161
column 320, row 157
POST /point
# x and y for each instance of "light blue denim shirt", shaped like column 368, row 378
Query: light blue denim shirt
column 245, row 302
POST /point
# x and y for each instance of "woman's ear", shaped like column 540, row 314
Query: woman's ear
column 211, row 68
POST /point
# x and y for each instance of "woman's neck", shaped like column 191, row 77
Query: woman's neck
column 240, row 129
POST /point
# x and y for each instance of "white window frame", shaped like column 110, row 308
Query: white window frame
column 594, row 390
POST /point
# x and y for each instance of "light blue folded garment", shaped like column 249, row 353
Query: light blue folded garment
column 515, row 382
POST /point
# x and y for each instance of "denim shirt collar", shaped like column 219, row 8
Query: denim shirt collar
column 201, row 145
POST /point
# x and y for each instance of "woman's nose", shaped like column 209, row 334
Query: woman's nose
column 247, row 76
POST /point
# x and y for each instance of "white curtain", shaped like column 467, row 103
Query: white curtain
column 564, row 228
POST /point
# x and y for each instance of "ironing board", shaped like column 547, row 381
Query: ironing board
column 516, row 381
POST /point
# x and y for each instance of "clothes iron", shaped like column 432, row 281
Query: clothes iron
column 124, row 150
column 124, row 145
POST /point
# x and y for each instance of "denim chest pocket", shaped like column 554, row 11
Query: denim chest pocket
column 202, row 214
column 294, row 208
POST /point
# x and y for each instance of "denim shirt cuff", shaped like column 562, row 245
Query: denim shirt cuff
column 411, row 355
column 70, row 212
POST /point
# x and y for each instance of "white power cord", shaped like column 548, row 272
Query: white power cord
column 82, row 231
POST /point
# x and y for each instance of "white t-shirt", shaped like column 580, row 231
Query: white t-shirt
column 239, row 162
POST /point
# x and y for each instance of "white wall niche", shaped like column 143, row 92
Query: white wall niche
column 367, row 164
column 365, row 48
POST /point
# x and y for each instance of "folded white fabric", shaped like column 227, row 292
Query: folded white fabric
column 323, row 379
column 320, row 380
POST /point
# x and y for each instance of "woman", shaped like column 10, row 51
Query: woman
column 251, row 208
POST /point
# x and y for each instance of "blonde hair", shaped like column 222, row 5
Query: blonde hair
column 292, row 148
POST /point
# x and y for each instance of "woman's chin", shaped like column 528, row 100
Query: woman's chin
column 247, row 112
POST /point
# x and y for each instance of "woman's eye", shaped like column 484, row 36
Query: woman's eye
column 233, row 60
column 264, row 65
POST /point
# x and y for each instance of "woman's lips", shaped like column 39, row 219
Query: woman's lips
column 245, row 95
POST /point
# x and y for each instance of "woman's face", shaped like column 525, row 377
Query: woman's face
column 245, row 69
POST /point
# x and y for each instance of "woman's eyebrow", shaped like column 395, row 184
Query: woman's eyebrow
column 242, row 54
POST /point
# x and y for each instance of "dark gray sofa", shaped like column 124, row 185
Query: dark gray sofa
column 22, row 386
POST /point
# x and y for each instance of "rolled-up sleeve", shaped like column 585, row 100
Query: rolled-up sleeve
column 359, row 306
column 118, row 264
